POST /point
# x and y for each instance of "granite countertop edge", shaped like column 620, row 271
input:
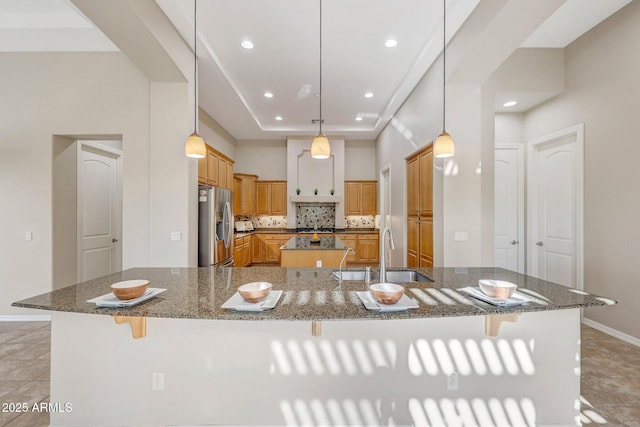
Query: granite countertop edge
column 309, row 294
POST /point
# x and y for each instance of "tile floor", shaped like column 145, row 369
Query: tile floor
column 610, row 375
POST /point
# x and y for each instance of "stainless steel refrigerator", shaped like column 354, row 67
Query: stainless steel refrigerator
column 215, row 227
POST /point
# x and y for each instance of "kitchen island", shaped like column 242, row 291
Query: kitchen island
column 318, row 357
column 304, row 251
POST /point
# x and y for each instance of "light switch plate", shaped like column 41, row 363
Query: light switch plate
column 176, row 235
column 461, row 236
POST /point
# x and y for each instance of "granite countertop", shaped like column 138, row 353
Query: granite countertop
column 309, row 294
column 306, row 243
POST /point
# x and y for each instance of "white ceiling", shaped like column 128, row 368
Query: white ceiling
column 285, row 60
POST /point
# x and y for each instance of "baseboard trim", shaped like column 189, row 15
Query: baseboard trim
column 26, row 318
column 613, row 332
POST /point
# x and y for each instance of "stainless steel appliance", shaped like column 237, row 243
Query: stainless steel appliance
column 215, row 227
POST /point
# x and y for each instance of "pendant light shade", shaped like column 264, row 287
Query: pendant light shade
column 320, row 147
column 195, row 146
column 444, row 147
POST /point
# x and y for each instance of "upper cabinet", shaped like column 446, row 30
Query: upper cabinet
column 215, row 169
column 244, row 194
column 271, row 197
column 361, row 197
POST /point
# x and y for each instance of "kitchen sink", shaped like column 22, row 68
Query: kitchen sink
column 392, row 276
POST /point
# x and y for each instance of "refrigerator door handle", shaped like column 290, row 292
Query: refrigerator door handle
column 226, row 224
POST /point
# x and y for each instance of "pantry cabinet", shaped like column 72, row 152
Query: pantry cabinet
column 420, row 209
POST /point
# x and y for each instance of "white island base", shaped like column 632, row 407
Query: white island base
column 434, row 371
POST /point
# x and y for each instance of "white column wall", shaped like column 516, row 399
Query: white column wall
column 79, row 95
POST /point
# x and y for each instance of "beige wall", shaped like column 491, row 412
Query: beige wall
column 602, row 91
column 84, row 94
column 268, row 159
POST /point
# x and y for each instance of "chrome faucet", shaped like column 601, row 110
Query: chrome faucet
column 383, row 266
column 346, row 252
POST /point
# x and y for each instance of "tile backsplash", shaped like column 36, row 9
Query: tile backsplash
column 312, row 215
column 364, row 221
column 264, row 221
column 325, row 218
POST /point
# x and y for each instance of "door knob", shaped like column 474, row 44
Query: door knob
column 114, row 240
column 540, row 244
column 514, row 242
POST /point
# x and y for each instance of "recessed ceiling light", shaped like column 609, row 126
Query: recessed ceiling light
column 359, row 119
column 247, row 44
column 279, row 118
column 268, row 94
column 391, row 43
column 368, row 95
column 509, row 103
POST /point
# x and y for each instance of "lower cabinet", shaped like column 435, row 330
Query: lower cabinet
column 368, row 248
column 242, row 251
column 265, row 248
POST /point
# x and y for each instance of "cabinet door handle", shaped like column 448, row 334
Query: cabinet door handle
column 540, row 244
column 514, row 242
column 114, row 240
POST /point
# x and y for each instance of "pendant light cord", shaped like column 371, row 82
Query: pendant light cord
column 444, row 65
column 320, row 66
column 195, row 65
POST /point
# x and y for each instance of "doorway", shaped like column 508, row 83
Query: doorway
column 509, row 236
column 99, row 210
column 555, row 207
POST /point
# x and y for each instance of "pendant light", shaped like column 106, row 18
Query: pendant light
column 320, row 148
column 195, row 146
column 443, row 147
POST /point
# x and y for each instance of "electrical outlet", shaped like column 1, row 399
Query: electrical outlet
column 452, row 381
column 157, row 381
column 176, row 235
column 319, row 263
column 28, row 236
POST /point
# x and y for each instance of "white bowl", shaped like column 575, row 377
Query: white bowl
column 130, row 289
column 497, row 288
column 386, row 293
column 254, row 291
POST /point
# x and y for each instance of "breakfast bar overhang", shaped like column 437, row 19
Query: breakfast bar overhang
column 319, row 357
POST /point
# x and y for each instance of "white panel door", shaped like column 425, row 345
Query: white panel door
column 98, row 213
column 555, row 207
column 507, row 215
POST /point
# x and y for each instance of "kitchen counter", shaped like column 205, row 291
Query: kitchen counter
column 309, row 294
column 318, row 357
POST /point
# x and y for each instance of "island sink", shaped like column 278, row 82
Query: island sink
column 393, row 276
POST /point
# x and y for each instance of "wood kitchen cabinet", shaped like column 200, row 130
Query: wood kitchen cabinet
column 368, row 248
column 271, row 197
column 350, row 241
column 244, row 196
column 215, row 169
column 266, row 247
column 273, row 242
column 420, row 209
column 361, row 197
column 257, row 249
column 242, row 251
